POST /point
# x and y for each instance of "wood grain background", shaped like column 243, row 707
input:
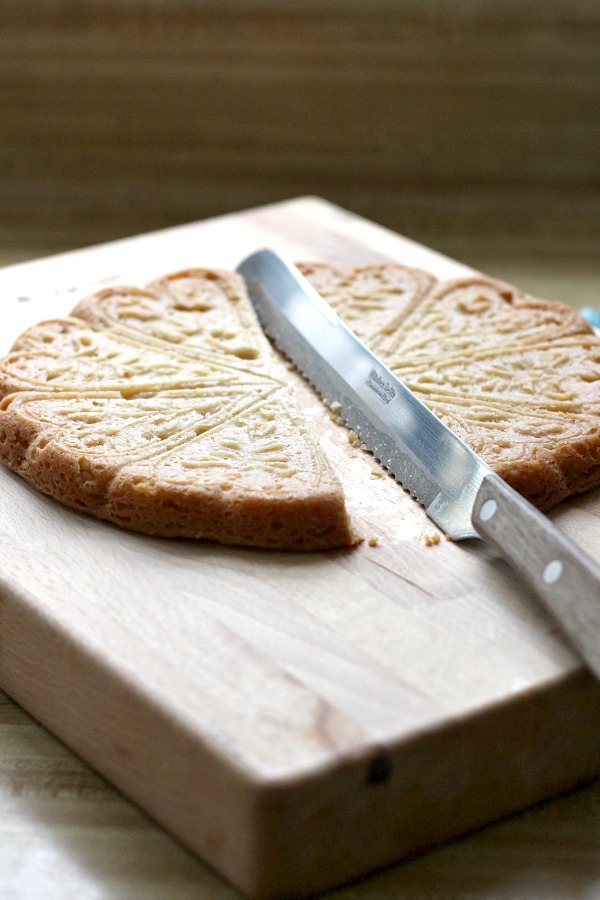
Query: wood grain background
column 472, row 127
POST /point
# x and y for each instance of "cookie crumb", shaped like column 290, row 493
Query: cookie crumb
column 373, row 542
column 334, row 412
column 431, row 539
column 353, row 439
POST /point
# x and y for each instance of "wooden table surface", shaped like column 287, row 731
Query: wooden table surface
column 65, row 833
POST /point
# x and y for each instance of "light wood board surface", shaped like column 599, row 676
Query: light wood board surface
column 295, row 720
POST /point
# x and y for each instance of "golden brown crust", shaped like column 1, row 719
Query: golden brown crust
column 165, row 410
column 516, row 377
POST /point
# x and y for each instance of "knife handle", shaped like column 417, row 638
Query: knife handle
column 561, row 573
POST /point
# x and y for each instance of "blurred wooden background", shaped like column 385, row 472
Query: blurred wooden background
column 472, row 127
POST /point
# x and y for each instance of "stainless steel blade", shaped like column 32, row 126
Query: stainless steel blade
column 438, row 469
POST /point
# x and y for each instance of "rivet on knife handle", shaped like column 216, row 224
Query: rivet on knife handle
column 563, row 575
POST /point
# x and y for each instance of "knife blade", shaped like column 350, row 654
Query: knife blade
column 460, row 492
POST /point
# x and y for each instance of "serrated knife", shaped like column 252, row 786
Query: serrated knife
column 460, row 492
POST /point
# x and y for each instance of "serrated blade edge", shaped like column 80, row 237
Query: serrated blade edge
column 432, row 463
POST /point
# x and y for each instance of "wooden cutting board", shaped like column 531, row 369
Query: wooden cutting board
column 296, row 720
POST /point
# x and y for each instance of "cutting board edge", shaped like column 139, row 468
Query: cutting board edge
column 249, row 825
column 102, row 259
column 128, row 737
column 405, row 819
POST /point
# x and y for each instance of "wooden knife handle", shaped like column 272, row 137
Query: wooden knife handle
column 563, row 575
